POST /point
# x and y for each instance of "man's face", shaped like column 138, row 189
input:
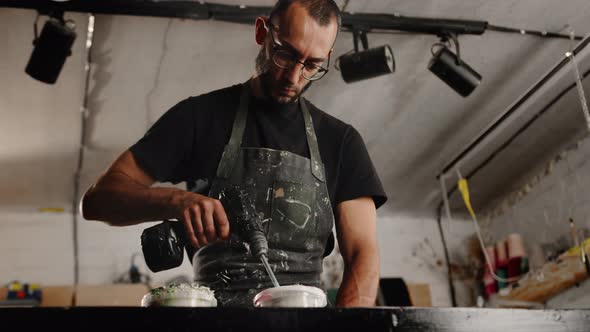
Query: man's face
column 300, row 35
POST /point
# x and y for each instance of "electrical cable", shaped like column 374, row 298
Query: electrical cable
column 544, row 34
column 490, row 27
column 455, row 40
column 36, row 29
column 447, row 257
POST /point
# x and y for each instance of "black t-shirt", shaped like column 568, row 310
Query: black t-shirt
column 187, row 142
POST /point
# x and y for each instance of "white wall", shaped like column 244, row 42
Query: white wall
column 411, row 248
column 38, row 247
column 541, row 210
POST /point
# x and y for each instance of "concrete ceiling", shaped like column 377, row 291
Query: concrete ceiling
column 412, row 123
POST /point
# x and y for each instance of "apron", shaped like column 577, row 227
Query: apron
column 291, row 199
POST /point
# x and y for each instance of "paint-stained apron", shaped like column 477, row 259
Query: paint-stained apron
column 291, row 199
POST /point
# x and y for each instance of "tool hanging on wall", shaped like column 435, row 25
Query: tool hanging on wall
column 463, row 187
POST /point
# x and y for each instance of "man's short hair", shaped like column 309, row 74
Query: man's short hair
column 322, row 11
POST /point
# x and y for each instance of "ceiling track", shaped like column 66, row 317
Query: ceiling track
column 246, row 14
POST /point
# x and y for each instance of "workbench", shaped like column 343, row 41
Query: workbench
column 388, row 319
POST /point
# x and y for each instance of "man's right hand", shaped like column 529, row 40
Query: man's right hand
column 204, row 218
column 124, row 196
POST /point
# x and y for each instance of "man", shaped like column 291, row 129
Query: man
column 259, row 136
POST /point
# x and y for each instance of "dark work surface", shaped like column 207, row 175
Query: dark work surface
column 283, row 319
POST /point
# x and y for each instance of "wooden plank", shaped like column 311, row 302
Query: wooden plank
column 110, row 295
column 554, row 277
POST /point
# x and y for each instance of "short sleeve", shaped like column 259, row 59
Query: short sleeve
column 165, row 150
column 357, row 176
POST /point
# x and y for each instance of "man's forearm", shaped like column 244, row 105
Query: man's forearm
column 359, row 282
column 121, row 202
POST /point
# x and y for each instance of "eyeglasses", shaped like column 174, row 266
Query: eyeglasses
column 286, row 60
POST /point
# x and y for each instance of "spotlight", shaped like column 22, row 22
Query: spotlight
column 449, row 67
column 51, row 48
column 365, row 64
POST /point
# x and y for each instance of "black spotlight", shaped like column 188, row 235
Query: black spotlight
column 369, row 63
column 449, row 67
column 51, row 48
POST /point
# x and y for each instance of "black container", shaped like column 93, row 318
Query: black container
column 51, row 50
column 163, row 245
column 367, row 64
column 454, row 72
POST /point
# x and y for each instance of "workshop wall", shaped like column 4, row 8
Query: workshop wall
column 135, row 80
column 541, row 209
column 410, row 247
column 38, row 247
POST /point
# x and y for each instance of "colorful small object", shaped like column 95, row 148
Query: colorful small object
column 23, row 291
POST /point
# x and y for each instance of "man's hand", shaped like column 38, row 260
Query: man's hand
column 204, row 218
column 124, row 196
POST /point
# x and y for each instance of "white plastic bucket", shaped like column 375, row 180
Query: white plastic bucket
column 293, row 296
column 182, row 295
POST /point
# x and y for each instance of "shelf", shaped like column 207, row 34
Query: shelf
column 19, row 303
column 553, row 278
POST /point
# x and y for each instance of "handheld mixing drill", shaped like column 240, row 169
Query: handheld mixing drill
column 245, row 221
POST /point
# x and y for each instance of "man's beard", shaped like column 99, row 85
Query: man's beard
column 263, row 71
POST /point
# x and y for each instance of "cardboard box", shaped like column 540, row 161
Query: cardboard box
column 420, row 295
column 121, row 295
column 57, row 296
column 117, row 295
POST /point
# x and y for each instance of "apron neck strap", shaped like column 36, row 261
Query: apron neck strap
column 232, row 149
column 237, row 132
column 317, row 168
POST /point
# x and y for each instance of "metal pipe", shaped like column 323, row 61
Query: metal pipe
column 506, row 115
column 180, row 9
column 447, row 258
column 517, row 133
column 247, row 14
column 82, row 146
column 434, row 26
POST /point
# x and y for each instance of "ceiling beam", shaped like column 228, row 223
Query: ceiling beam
column 245, row 14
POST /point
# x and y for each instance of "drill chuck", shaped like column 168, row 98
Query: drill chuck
column 258, row 243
